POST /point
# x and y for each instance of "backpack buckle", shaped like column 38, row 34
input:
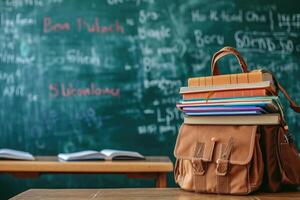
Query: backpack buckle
column 222, row 167
column 197, row 163
column 198, row 168
column 223, row 161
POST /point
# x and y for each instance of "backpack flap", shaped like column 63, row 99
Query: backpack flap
column 213, row 143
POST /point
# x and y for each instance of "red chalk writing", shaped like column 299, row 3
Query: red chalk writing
column 96, row 27
column 69, row 90
column 50, row 26
column 82, row 25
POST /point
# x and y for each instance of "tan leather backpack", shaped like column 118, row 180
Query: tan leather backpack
column 236, row 159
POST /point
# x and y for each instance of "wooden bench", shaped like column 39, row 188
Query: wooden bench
column 143, row 194
column 151, row 168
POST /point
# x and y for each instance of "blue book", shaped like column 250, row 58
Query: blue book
column 223, row 109
column 229, row 113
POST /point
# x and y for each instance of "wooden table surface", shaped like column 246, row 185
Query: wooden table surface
column 153, row 167
column 51, row 164
column 142, row 194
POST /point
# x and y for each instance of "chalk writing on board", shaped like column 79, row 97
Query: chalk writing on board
column 227, row 16
column 207, row 39
column 21, row 3
column 165, row 118
column 14, row 91
column 288, row 21
column 10, row 77
column 69, row 90
column 12, row 58
column 161, row 33
column 82, row 25
column 75, row 56
column 276, row 42
column 31, row 3
column 136, row 2
column 145, row 16
column 17, row 20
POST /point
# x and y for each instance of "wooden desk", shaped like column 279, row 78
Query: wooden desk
column 153, row 167
column 143, row 194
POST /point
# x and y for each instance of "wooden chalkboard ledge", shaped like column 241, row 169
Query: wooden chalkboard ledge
column 150, row 168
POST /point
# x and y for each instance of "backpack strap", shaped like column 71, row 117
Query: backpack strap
column 293, row 104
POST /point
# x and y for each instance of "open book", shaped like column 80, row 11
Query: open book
column 105, row 154
column 15, row 155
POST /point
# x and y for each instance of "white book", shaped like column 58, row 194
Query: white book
column 15, row 155
column 264, row 119
column 105, row 154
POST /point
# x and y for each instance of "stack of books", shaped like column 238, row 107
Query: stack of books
column 247, row 98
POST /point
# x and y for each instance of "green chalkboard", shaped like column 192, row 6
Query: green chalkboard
column 100, row 74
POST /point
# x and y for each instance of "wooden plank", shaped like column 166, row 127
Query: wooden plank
column 52, row 165
column 143, row 194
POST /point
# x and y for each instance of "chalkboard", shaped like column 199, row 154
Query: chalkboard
column 100, row 74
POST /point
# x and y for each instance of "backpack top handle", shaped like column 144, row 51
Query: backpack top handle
column 223, row 52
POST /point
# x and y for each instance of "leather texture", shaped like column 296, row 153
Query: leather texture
column 281, row 158
column 218, row 159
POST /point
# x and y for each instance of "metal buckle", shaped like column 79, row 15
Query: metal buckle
column 289, row 138
column 286, row 139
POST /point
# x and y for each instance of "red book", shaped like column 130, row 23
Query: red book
column 227, row 94
column 229, row 90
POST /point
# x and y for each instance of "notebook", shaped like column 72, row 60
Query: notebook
column 225, row 113
column 230, row 100
column 266, row 119
column 221, row 108
column 15, row 155
column 105, row 154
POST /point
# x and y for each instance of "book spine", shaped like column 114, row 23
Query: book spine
column 252, row 77
column 227, row 94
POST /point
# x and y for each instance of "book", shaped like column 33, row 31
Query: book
column 199, row 89
column 230, row 106
column 251, row 77
column 269, row 104
column 105, row 154
column 239, row 99
column 229, row 93
column 221, row 108
column 266, row 119
column 264, row 88
column 15, row 155
column 225, row 113
column 224, row 110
